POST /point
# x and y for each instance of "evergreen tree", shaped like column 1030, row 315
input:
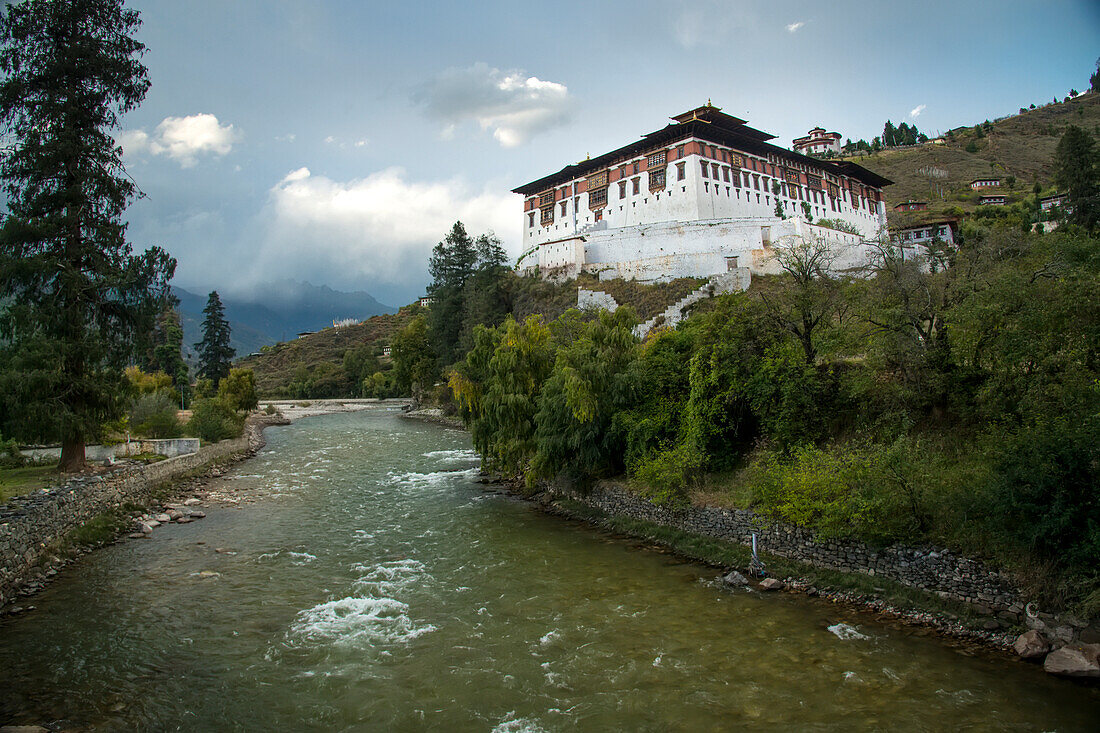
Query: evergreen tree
column 486, row 300
column 215, row 353
column 166, row 350
column 79, row 302
column 889, row 134
column 451, row 266
column 1075, row 161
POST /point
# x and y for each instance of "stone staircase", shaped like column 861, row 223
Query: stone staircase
column 726, row 282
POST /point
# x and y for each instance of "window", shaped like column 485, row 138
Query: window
column 680, row 171
column 547, row 215
column 731, row 263
column 656, row 160
column 656, row 179
column 756, row 183
column 726, row 174
column 714, row 170
column 635, row 185
column 531, row 219
column 622, row 189
column 679, row 151
column 597, row 198
column 564, row 205
column 634, row 167
column 704, row 166
column 546, row 199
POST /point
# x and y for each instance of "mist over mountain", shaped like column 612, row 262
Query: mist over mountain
column 276, row 311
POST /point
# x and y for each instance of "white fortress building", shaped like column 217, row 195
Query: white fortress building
column 699, row 197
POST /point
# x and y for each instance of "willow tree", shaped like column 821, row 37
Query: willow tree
column 78, row 302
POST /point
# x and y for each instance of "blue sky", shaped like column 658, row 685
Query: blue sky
column 336, row 141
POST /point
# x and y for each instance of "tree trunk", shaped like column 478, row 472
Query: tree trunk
column 72, row 455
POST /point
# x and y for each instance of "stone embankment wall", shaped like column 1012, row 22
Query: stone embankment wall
column 31, row 524
column 937, row 571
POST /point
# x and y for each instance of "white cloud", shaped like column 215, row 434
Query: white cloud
column 915, row 112
column 183, row 139
column 791, row 28
column 379, row 229
column 330, row 139
column 511, row 104
column 361, row 143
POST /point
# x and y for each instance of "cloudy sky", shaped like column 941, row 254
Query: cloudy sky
column 336, row 141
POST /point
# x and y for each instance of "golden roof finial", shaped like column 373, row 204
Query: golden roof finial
column 708, row 102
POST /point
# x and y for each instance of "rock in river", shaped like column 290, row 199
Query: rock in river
column 1031, row 644
column 1080, row 660
column 734, row 578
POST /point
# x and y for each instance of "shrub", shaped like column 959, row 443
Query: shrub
column 213, row 420
column 238, row 390
column 154, row 415
column 10, row 457
column 665, row 476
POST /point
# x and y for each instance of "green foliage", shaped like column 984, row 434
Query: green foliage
column 360, row 364
column 166, row 353
column 839, row 225
column 154, row 415
column 468, row 285
column 238, row 390
column 1078, row 174
column 213, row 420
column 579, row 400
column 215, row 353
column 10, row 457
column 497, row 388
column 972, row 146
column 78, row 304
column 414, row 359
column 147, row 383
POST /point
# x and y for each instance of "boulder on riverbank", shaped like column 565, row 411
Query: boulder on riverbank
column 1031, row 644
column 1078, row 660
column 771, row 584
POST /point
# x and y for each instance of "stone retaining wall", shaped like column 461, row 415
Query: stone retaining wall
column 30, row 524
column 937, row 571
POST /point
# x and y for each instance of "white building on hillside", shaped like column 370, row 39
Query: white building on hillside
column 817, row 141
column 698, row 197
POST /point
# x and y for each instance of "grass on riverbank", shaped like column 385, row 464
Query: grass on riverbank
column 718, row 553
column 25, row 479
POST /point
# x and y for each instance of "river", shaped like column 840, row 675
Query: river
column 374, row 585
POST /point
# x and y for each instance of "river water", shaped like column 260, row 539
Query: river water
column 374, row 585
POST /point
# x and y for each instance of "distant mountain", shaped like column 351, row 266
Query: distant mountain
column 276, row 311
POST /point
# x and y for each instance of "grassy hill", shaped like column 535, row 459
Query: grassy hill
column 318, row 358
column 312, row 366
column 1021, row 146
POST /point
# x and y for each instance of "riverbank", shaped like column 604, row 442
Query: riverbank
column 955, row 596
column 42, row 532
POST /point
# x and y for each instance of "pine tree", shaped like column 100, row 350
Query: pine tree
column 79, row 303
column 215, row 353
column 166, row 349
column 1075, row 161
column 451, row 266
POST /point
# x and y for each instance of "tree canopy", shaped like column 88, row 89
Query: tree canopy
column 215, row 353
column 79, row 303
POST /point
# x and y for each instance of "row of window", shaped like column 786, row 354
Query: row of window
column 657, row 180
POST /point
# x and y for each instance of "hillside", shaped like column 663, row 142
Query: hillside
column 276, row 311
column 318, row 358
column 1021, row 145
